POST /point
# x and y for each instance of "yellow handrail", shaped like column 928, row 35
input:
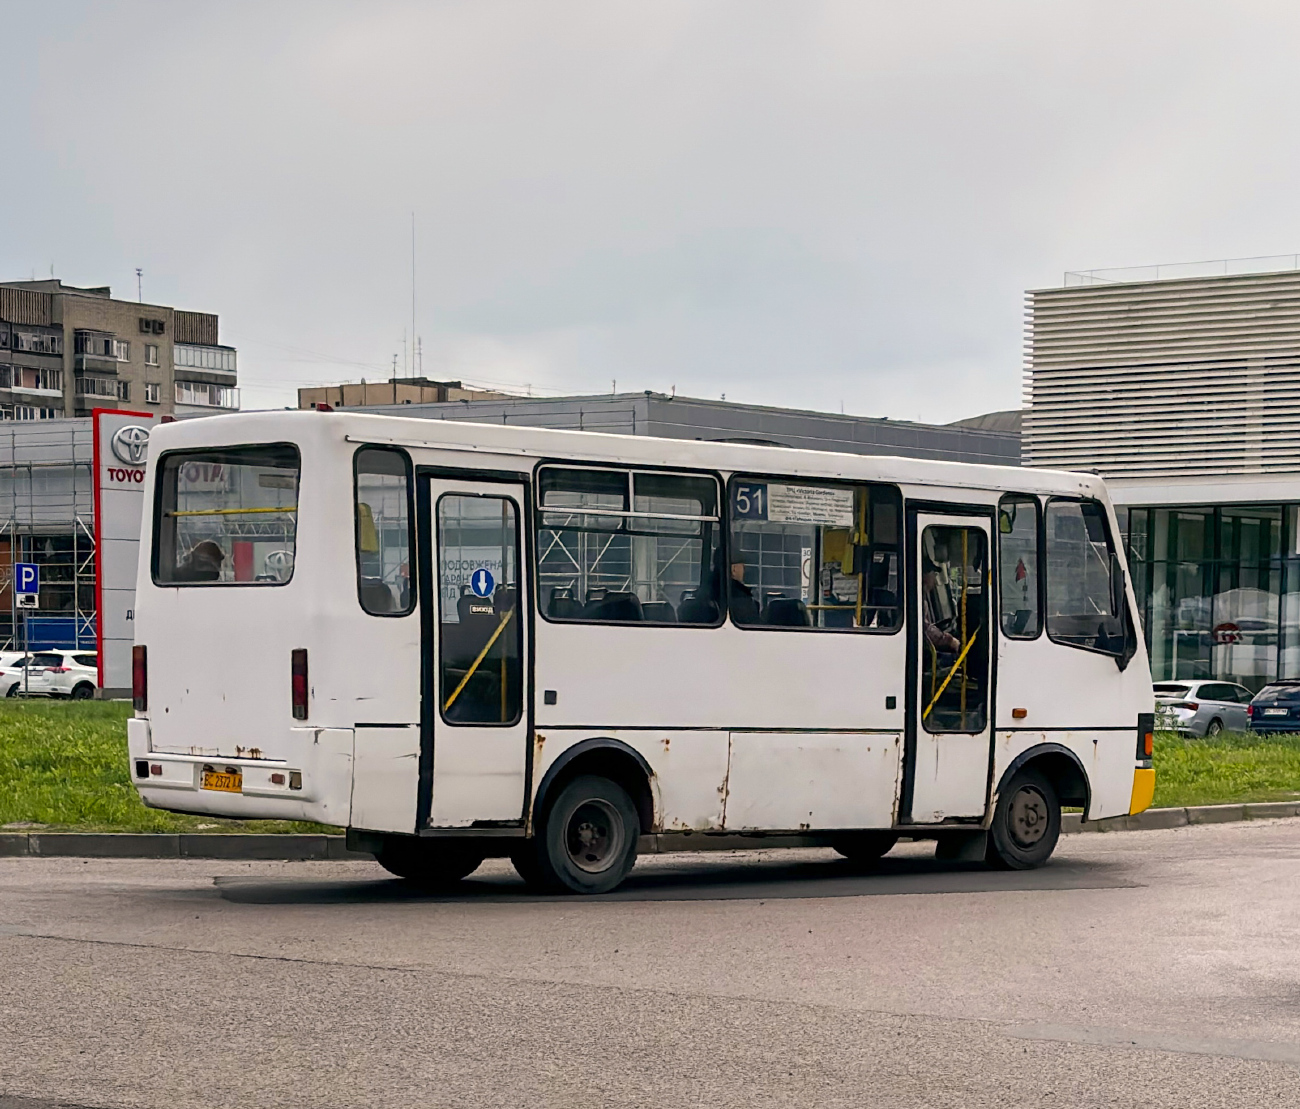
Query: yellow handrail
column 230, row 511
column 960, row 658
column 481, row 656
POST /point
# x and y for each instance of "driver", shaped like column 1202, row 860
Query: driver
column 939, row 639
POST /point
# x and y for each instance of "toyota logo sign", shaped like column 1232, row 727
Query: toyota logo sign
column 131, row 444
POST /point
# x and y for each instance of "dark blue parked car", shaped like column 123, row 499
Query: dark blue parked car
column 1276, row 707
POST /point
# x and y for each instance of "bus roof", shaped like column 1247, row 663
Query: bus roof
column 512, row 444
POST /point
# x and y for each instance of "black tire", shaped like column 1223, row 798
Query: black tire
column 865, row 847
column 587, row 839
column 524, row 859
column 84, row 692
column 1026, row 823
column 14, row 689
column 434, row 864
column 1214, row 727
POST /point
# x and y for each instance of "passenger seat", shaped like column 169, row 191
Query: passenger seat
column 786, row 612
column 614, row 607
column 563, row 604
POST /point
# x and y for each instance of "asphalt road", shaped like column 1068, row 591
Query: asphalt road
column 1139, row 969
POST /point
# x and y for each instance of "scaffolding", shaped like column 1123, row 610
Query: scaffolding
column 47, row 517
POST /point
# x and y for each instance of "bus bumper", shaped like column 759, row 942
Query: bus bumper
column 1144, row 789
column 311, row 780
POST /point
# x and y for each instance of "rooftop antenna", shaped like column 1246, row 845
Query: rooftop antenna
column 412, row 289
column 139, row 284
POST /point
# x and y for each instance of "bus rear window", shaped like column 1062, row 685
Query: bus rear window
column 226, row 516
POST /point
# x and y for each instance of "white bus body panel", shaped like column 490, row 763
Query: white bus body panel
column 678, row 676
column 690, row 770
column 796, row 782
column 386, row 779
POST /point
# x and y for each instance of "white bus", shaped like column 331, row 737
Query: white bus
column 462, row 640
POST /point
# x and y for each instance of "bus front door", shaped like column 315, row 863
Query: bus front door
column 473, row 604
column 948, row 729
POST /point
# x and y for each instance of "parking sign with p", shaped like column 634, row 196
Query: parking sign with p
column 27, row 583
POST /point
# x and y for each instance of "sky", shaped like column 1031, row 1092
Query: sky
column 835, row 206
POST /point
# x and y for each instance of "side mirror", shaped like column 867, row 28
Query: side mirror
column 1119, row 606
column 1117, row 594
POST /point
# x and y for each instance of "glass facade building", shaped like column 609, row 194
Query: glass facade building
column 1218, row 588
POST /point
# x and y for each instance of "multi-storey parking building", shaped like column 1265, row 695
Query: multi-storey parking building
column 1181, row 385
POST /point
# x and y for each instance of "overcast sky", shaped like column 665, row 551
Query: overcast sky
column 799, row 203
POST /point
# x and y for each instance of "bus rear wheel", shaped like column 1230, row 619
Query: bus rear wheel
column 429, row 863
column 1026, row 823
column 865, row 847
column 587, row 843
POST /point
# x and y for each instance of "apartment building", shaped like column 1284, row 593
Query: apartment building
column 396, row 390
column 65, row 351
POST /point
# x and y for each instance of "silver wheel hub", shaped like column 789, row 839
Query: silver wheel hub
column 1029, row 816
column 594, row 838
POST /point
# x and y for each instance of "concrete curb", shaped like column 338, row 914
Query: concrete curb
column 128, row 845
column 1179, row 818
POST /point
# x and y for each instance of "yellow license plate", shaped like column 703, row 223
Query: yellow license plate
column 224, row 781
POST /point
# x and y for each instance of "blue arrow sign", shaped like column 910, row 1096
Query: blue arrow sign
column 482, row 582
column 27, row 577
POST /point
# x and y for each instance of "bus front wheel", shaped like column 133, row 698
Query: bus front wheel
column 587, row 843
column 432, row 863
column 1026, row 823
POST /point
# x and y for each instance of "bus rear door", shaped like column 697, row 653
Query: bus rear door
column 473, row 605
column 949, row 736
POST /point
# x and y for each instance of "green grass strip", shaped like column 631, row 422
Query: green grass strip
column 1230, row 768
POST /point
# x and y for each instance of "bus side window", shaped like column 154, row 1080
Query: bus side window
column 1018, row 566
column 383, row 532
column 620, row 546
column 1080, row 601
column 821, row 555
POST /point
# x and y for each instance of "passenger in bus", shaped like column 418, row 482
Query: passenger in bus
column 939, row 639
column 744, row 608
column 203, row 563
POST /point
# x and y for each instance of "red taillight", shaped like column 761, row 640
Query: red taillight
column 1250, row 710
column 1190, row 706
column 59, row 669
column 140, row 677
column 298, row 679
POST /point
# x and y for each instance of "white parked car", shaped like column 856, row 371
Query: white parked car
column 1202, row 708
column 73, row 674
